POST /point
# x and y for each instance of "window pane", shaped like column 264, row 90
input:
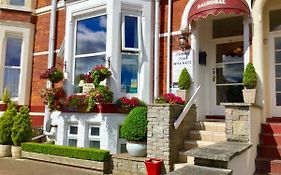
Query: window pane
column 73, row 130
column 123, row 148
column 129, row 73
column 278, row 56
column 72, row 142
column 277, row 43
column 230, row 73
column 275, row 22
column 278, row 71
column 131, row 32
column 91, row 35
column 11, row 81
column 86, row 64
column 13, row 52
column 228, row 27
column 95, row 131
column 278, row 85
column 17, row 2
column 95, row 144
column 232, row 93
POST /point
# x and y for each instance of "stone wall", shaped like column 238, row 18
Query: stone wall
column 237, row 123
column 163, row 140
column 128, row 165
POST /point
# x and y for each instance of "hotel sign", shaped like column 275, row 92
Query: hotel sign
column 211, row 2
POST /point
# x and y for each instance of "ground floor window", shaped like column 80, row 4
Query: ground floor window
column 72, row 135
column 94, row 136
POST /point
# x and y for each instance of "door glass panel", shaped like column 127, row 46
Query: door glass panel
column 278, row 85
column 278, row 71
column 278, row 56
column 277, row 44
column 229, row 72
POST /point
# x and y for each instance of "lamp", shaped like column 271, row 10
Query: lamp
column 183, row 41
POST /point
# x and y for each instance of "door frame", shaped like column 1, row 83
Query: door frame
column 275, row 110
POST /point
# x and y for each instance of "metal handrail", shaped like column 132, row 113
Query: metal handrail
column 186, row 109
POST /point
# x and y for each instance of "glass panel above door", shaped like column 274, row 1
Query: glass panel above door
column 274, row 18
column 227, row 27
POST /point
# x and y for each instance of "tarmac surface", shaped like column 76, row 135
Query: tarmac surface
column 10, row 166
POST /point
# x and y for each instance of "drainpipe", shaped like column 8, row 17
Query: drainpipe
column 156, row 49
column 169, row 44
column 51, row 56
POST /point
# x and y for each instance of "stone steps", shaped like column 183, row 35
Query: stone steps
column 216, row 126
column 211, row 136
column 201, row 170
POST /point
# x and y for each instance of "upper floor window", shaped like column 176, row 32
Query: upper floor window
column 90, row 49
column 274, row 20
column 17, row 2
column 130, row 32
column 12, row 65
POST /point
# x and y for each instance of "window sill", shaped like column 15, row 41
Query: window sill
column 16, row 8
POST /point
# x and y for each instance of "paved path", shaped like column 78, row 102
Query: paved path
column 10, row 166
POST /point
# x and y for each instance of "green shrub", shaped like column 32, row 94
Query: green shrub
column 250, row 77
column 6, row 124
column 134, row 127
column 67, row 151
column 21, row 130
column 184, row 80
column 6, row 96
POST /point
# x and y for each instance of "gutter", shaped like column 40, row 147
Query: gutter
column 156, row 49
column 51, row 61
column 169, row 46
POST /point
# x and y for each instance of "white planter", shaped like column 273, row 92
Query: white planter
column 136, row 149
column 87, row 87
column 249, row 96
column 184, row 94
column 5, row 151
column 16, row 152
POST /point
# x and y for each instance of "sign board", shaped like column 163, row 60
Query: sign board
column 181, row 60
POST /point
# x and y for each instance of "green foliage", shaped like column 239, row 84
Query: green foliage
column 100, row 94
column 6, row 124
column 134, row 127
column 6, row 96
column 250, row 77
column 21, row 130
column 67, row 151
column 184, row 80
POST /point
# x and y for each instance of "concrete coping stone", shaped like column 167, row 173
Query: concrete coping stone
column 221, row 151
column 126, row 156
column 240, row 104
column 201, row 170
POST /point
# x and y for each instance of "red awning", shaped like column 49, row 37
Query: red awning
column 203, row 8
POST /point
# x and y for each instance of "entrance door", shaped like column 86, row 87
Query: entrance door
column 275, row 55
column 227, row 74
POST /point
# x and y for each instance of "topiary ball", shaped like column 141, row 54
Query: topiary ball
column 134, row 127
column 250, row 77
column 184, row 80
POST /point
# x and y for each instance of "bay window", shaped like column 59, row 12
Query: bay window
column 12, row 66
column 90, row 49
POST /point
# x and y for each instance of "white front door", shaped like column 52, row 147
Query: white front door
column 275, row 73
column 227, row 73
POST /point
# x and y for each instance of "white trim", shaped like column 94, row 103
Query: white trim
column 37, row 113
column 44, row 53
column 47, row 9
column 173, row 34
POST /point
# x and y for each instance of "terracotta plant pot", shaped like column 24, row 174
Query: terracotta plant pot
column 16, row 152
column 249, row 96
column 5, row 151
column 184, row 94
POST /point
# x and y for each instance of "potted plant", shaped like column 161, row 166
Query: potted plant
column 54, row 98
column 170, row 98
column 101, row 95
column 77, row 103
column 5, row 99
column 6, row 124
column 86, row 82
column 249, row 82
column 127, row 104
column 134, row 130
column 21, row 131
column 100, row 73
column 184, row 85
column 53, row 74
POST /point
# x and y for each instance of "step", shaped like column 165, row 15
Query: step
column 183, row 158
column 208, row 136
column 265, row 165
column 270, row 139
column 271, row 128
column 200, row 170
column 269, row 151
column 196, row 143
column 220, row 117
column 210, row 126
column 179, row 166
column 274, row 120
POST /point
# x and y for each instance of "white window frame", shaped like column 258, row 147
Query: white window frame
column 91, row 137
column 72, row 136
column 17, row 36
column 138, row 16
column 84, row 56
column 120, row 141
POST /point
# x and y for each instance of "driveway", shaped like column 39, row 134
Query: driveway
column 10, row 166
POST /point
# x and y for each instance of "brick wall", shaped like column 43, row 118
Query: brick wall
column 12, row 15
